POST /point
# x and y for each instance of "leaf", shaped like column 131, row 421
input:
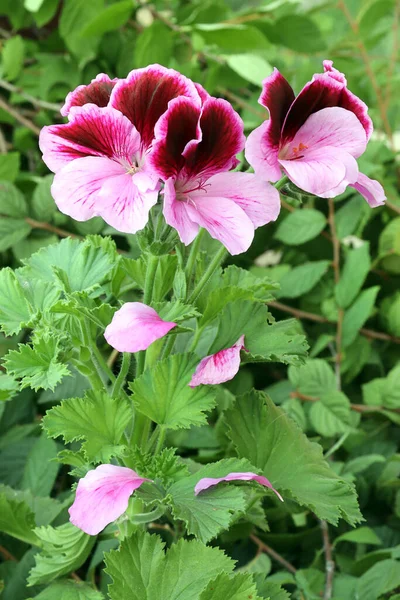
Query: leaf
column 315, row 378
column 109, row 18
column 8, row 387
column 238, row 587
column 331, row 414
column 353, row 275
column 357, row 314
column 380, row 579
column 362, row 463
column 12, row 201
column 163, row 393
column 279, row 342
column 383, row 391
column 69, row 590
column 16, row 517
column 299, row 33
column 175, row 311
column 40, row 468
column 33, row 5
column 214, row 510
column 390, row 314
column 13, row 57
column 301, row 280
column 251, row 67
column 349, row 216
column 97, row 418
column 238, row 318
column 166, row 267
column 14, row 309
column 141, row 571
column 12, row 231
column 361, row 535
column 300, row 226
column 154, row 44
column 233, row 39
column 64, row 549
column 9, row 166
column 43, row 203
column 37, row 365
column 262, row 433
column 75, row 14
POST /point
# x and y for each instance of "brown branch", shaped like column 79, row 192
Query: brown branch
column 360, row 408
column 273, row 554
column 112, row 358
column 18, row 117
column 35, row 101
column 393, row 207
column 6, row 554
column 76, row 577
column 47, row 227
column 336, row 269
column 329, row 564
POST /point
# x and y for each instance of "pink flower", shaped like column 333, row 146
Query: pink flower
column 193, row 150
column 135, row 326
column 314, row 137
column 101, row 156
column 207, row 482
column 102, row 496
column 219, row 367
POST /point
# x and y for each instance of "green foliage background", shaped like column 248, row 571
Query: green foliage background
column 338, row 267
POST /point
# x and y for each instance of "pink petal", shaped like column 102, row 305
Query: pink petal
column 76, row 187
column 277, row 96
column 176, row 214
column 262, row 153
column 102, row 496
column 207, row 482
column 97, row 92
column 204, row 95
column 325, row 90
column 144, row 95
column 219, row 367
column 321, row 170
column 335, row 127
column 135, row 326
column 92, row 131
column 371, row 189
column 257, row 198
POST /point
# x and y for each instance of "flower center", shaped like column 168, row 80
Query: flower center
column 292, row 153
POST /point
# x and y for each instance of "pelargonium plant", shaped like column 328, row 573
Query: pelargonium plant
column 154, row 155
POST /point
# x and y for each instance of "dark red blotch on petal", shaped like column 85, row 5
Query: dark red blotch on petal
column 277, row 96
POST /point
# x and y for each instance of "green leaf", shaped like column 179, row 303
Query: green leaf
column 46, row 12
column 315, row 378
column 37, row 365
column 40, row 469
column 14, row 309
column 383, row 391
column 354, row 273
column 110, row 18
column 270, row 440
column 357, row 314
column 389, row 241
column 33, row 5
column 163, row 393
column 233, row 39
column 301, row 280
column 97, row 419
column 349, row 216
column 64, row 549
column 45, row 510
column 238, row 587
column 13, row 57
column 69, row 590
column 279, row 342
column 74, row 16
column 390, row 314
column 141, row 571
column 167, row 265
column 9, row 166
column 361, row 535
column 43, row 203
column 175, row 311
column 16, row 517
column 362, row 463
column 154, row 45
column 12, row 231
column 213, row 510
column 300, row 226
column 251, row 67
column 382, row 578
column 238, row 318
column 12, row 201
column 331, row 414
column 8, row 387
column 299, row 33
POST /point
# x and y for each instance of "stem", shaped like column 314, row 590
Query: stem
column 337, row 445
column 147, row 294
column 193, row 254
column 209, row 272
column 120, row 381
column 103, row 366
column 161, row 440
column 279, row 184
column 329, row 564
column 268, row 550
column 150, row 516
column 18, row 117
column 35, row 101
column 336, row 268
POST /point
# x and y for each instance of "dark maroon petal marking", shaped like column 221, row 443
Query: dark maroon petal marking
column 144, row 95
column 277, row 96
column 204, row 95
column 174, row 130
column 98, row 92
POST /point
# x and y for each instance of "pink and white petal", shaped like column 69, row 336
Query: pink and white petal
column 176, row 128
column 322, row 170
column 102, row 496
column 220, row 367
column 277, row 96
column 76, row 187
column 98, row 92
column 330, row 70
column 224, row 220
column 207, row 482
column 350, row 176
column 222, row 138
column 256, row 197
column 92, row 131
column 371, row 189
column 135, row 326
column 123, row 205
column 176, row 214
column 144, row 95
column 262, row 154
column 335, row 127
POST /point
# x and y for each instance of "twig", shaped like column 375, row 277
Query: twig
column 112, row 358
column 360, row 408
column 329, row 564
column 393, row 207
column 336, row 268
column 75, row 577
column 35, row 101
column 3, row 143
column 48, row 227
column 7, row 554
column 268, row 550
column 20, row 118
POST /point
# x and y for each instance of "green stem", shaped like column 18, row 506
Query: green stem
column 279, row 184
column 161, row 440
column 120, row 381
column 193, row 254
column 150, row 516
column 147, row 294
column 209, row 272
column 168, row 346
column 105, row 369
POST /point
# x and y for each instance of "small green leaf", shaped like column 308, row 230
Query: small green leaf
column 9, row 166
column 233, row 39
column 33, row 5
column 301, row 280
column 361, row 535
column 239, row 587
column 380, row 579
column 279, row 342
column 74, row 16
column 241, row 317
column 12, row 231
column 12, row 201
column 331, row 414
column 8, row 387
column 251, row 67
column 299, row 33
column 40, row 469
column 362, row 463
column 43, row 203
column 167, row 265
column 13, row 57
column 353, row 275
column 16, row 517
column 315, row 378
column 14, row 309
column 110, row 18
column 357, row 314
column 69, row 590
column 154, row 45
column 300, row 226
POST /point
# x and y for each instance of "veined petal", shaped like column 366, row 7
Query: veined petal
column 135, row 326
column 257, row 198
column 176, row 214
column 207, row 482
column 144, row 95
column 77, row 185
column 321, row 170
column 97, row 92
column 371, row 189
column 102, row 496
column 92, row 131
column 262, row 154
column 219, row 367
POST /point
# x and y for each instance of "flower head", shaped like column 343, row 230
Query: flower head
column 219, row 367
column 315, row 137
column 207, row 482
column 195, row 147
